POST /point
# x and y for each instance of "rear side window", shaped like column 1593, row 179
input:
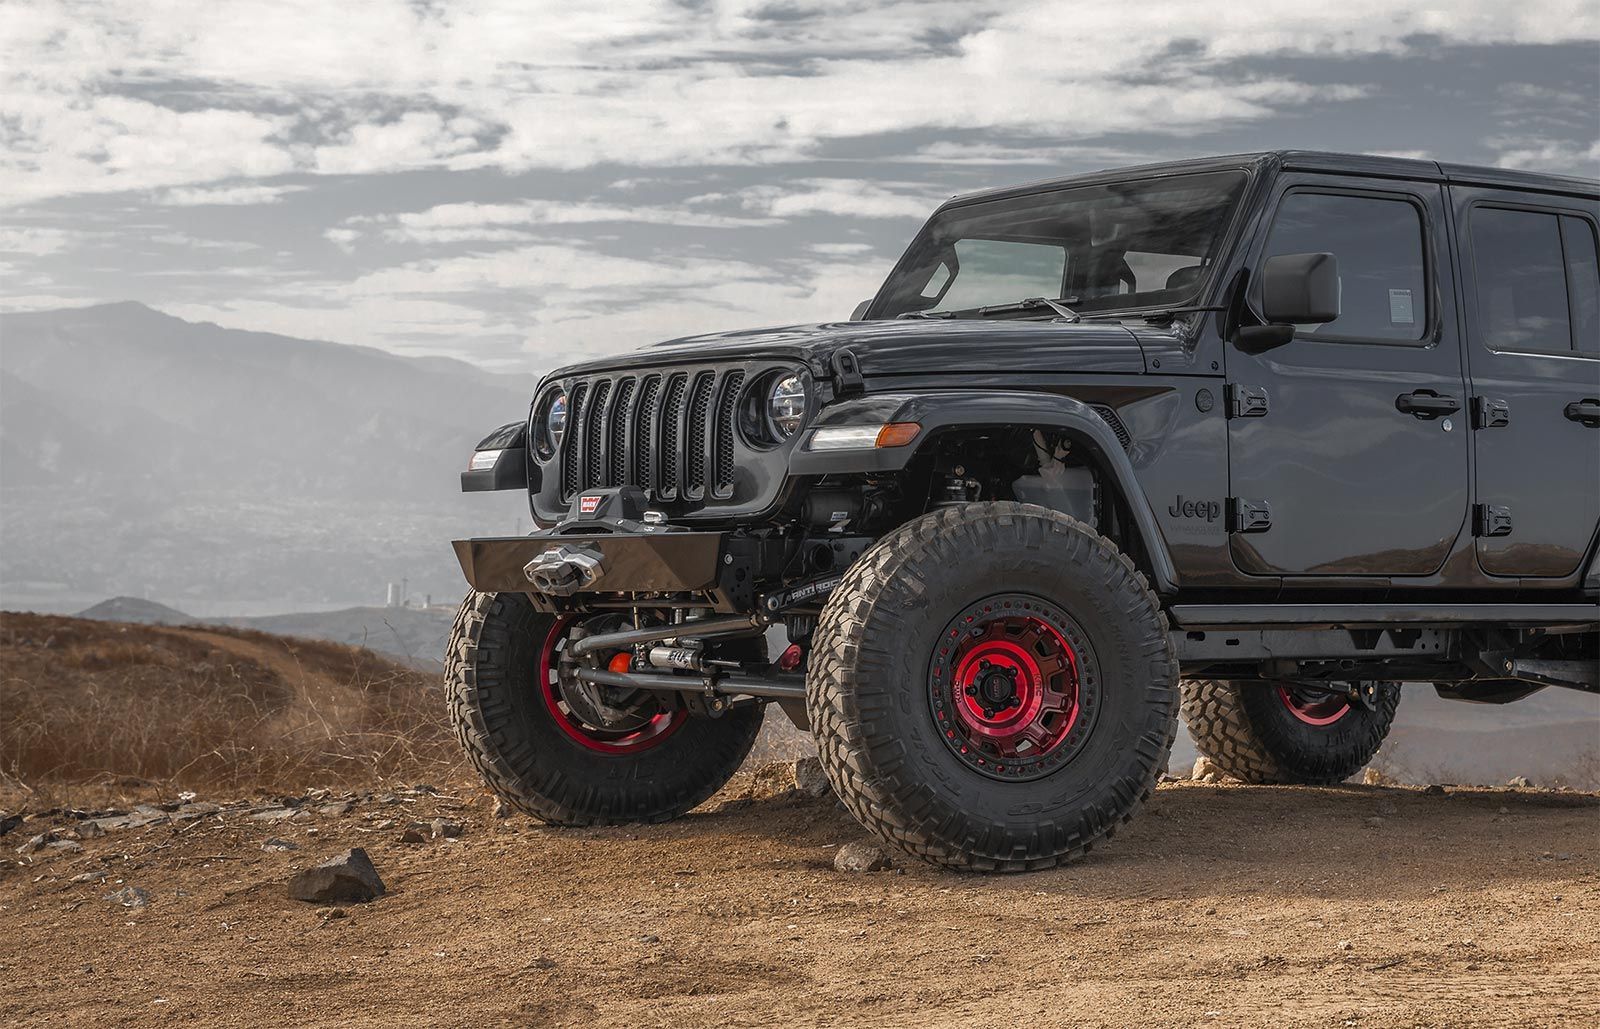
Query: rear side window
column 1521, row 280
column 1583, row 282
column 1382, row 271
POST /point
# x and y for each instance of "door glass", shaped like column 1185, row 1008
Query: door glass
column 1583, row 283
column 995, row 271
column 1378, row 243
column 1522, row 284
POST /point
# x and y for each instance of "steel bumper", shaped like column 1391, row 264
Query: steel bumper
column 675, row 562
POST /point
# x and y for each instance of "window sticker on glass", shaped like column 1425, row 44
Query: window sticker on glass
column 1400, row 307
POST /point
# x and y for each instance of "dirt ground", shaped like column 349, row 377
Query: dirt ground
column 1220, row 905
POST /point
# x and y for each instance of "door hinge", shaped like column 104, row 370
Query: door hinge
column 1249, row 515
column 1490, row 413
column 1246, row 401
column 1491, row 520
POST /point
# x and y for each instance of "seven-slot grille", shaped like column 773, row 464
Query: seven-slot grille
column 671, row 433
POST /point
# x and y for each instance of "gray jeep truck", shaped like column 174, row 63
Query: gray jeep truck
column 1257, row 438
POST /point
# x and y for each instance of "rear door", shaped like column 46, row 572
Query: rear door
column 1347, row 446
column 1531, row 290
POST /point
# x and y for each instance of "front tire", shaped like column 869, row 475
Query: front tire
column 1268, row 732
column 536, row 751
column 992, row 688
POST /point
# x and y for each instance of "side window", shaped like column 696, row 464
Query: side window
column 1382, row 271
column 993, row 271
column 1583, row 283
column 1521, row 280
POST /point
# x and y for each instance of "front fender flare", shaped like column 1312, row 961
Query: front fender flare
column 938, row 411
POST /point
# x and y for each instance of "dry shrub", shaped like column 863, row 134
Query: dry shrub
column 209, row 708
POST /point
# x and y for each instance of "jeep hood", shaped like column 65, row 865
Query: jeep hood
column 920, row 347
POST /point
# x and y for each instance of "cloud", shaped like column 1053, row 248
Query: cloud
column 1548, row 155
column 475, row 222
column 531, row 307
column 34, row 241
column 840, row 249
column 225, row 196
column 417, row 139
column 106, row 97
column 846, row 198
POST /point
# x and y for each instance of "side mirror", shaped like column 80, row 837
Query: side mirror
column 1297, row 289
column 860, row 313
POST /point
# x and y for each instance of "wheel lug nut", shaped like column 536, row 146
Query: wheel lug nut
column 972, row 691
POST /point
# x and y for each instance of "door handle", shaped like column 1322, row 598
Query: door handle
column 1425, row 403
column 1586, row 411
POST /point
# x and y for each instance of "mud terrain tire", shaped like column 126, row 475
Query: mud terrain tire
column 517, row 744
column 876, row 682
column 1251, row 732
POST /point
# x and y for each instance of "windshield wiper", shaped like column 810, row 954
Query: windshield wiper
column 1154, row 314
column 1059, row 306
column 925, row 314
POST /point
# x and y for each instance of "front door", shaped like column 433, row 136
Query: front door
column 1532, row 289
column 1348, row 446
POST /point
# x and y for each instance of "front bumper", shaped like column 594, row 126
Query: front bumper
column 668, row 562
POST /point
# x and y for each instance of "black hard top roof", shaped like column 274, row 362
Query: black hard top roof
column 1372, row 166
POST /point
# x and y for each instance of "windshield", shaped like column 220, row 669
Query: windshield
column 1144, row 243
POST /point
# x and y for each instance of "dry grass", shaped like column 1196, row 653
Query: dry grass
column 206, row 708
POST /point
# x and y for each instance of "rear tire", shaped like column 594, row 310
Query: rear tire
column 1262, row 732
column 541, row 759
column 948, row 763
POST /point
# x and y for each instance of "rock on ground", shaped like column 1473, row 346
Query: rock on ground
column 810, row 779
column 129, row 897
column 860, row 857
column 1205, row 770
column 348, row 877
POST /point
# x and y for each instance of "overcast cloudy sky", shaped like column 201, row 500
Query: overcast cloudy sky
column 514, row 182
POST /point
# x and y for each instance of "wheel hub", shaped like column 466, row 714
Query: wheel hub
column 1013, row 686
column 609, row 719
column 1314, row 705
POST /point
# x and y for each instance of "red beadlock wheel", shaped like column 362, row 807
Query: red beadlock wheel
column 1013, row 687
column 632, row 735
column 1313, row 706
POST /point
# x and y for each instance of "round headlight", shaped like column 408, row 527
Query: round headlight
column 555, row 419
column 549, row 421
column 786, row 406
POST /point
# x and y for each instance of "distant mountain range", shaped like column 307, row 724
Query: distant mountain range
column 144, row 454
column 414, row 636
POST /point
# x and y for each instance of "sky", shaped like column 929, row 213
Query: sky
column 519, row 182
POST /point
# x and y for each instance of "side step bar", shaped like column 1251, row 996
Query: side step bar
column 1378, row 616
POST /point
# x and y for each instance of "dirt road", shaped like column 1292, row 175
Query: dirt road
column 1221, row 905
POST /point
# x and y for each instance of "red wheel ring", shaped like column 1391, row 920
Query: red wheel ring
column 1012, row 683
column 606, row 741
column 1313, row 706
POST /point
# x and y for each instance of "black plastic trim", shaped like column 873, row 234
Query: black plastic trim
column 1224, row 616
column 941, row 410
